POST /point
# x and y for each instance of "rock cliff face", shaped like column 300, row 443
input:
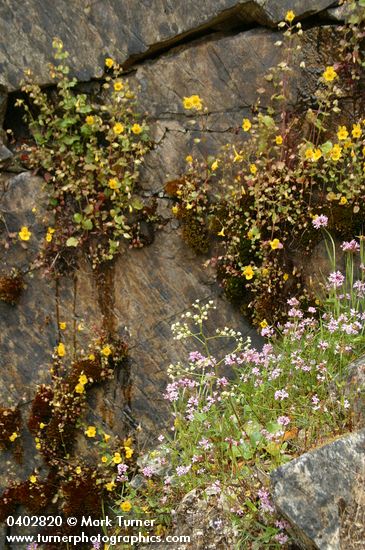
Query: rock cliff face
column 219, row 49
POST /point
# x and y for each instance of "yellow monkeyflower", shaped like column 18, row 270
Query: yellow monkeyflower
column 285, row 276
column 329, row 74
column 248, row 272
column 275, row 244
column 246, row 125
column 106, row 437
column 221, row 233
column 193, row 102
column 289, row 16
column 189, row 159
column 253, row 169
column 62, row 325
column 83, row 379
column 114, row 183
column 78, row 470
column 309, row 154
column 175, row 210
column 49, row 235
column 110, row 486
column 24, row 233
column 336, row 152
column 342, row 133
column 118, row 86
column 117, row 459
column 317, row 153
column 136, row 129
column 104, row 459
column 279, row 140
column 42, row 425
column 91, row 431
column 79, row 388
column 128, row 452
column 109, row 62
column 118, row 128
column 90, row 120
column 196, row 102
column 126, row 506
column 215, row 165
column 61, row 350
column 13, row 436
column 264, row 323
column 106, row 351
column 356, row 130
column 237, row 156
column 91, row 357
column 343, row 200
column 33, row 479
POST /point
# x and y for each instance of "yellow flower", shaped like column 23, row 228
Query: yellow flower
column 109, row 62
column 13, row 436
column 49, row 237
column 83, row 379
column 356, row 130
column 118, row 86
column 309, row 154
column 253, row 169
column 175, row 210
column 126, row 506
column 196, row 102
column 128, row 452
column 329, row 74
column 90, row 120
column 263, row 323
column 63, row 325
column 264, row 271
column 136, row 129
column 117, row 459
column 118, row 128
column 279, row 140
column 221, row 232
column 79, row 388
column 336, row 152
column 92, row 357
column 285, row 276
column 189, row 159
column 246, row 125
column 104, row 459
column 237, row 156
column 248, row 272
column 106, row 351
column 188, row 104
column 317, row 153
column 275, row 244
column 114, row 183
column 78, row 470
column 215, row 165
column 106, row 437
column 91, row 431
column 290, row 16
column 342, row 133
column 110, row 486
column 61, row 350
column 24, row 234
column 343, row 200
column 33, row 479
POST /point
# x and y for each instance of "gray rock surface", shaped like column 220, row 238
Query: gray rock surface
column 123, row 29
column 313, row 491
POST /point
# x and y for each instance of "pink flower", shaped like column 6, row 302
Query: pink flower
column 320, row 221
column 350, row 246
column 283, row 420
column 336, row 279
column 281, row 394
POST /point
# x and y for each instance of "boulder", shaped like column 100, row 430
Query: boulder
column 92, row 31
column 316, row 492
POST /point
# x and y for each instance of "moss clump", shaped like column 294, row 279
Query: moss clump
column 11, row 287
column 195, row 234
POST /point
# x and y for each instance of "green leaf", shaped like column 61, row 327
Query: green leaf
column 87, row 224
column 78, row 218
column 137, row 204
column 72, row 241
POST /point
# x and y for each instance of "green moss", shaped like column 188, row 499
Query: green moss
column 195, row 234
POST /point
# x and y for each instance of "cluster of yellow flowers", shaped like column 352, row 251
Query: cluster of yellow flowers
column 193, row 102
column 80, row 387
